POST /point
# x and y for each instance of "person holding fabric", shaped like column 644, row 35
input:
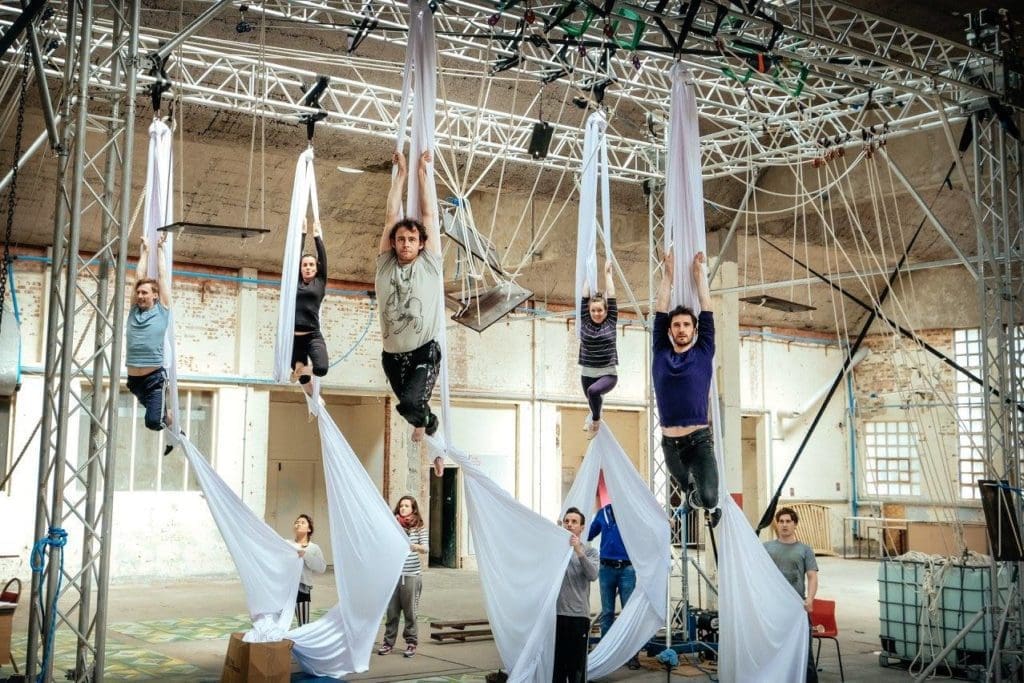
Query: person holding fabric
column 309, row 346
column 598, row 355
column 313, row 562
column 406, row 597
column 408, row 284
column 616, row 574
column 681, row 368
column 797, row 563
column 145, row 330
column 572, row 625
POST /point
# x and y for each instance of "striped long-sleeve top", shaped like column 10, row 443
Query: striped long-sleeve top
column 598, row 341
column 413, row 566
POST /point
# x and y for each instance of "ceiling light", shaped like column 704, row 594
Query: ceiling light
column 349, row 169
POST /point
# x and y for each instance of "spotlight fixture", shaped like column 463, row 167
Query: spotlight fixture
column 766, row 301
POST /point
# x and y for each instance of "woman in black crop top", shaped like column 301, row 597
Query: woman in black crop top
column 309, row 351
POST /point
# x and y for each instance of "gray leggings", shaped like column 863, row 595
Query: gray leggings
column 404, row 601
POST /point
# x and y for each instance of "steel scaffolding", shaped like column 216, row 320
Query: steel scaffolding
column 76, row 493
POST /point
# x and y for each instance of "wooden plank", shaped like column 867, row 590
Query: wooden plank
column 461, row 636
column 458, row 623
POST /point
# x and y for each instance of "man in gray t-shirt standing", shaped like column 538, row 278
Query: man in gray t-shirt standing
column 408, row 284
column 572, row 625
column 796, row 562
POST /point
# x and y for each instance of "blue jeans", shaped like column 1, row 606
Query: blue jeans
column 611, row 580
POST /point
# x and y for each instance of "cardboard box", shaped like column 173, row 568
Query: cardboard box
column 257, row 662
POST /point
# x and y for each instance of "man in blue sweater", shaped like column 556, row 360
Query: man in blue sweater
column 681, row 367
column 616, row 574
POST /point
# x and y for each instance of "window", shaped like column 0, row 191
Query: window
column 970, row 413
column 893, row 467
column 139, row 463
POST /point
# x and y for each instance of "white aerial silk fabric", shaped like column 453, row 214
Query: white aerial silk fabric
column 646, row 535
column 595, row 166
column 368, row 548
column 763, row 628
column 523, row 558
column 304, row 198
column 267, row 564
column 159, row 211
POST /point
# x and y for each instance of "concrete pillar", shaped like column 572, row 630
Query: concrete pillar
column 727, row 353
column 245, row 350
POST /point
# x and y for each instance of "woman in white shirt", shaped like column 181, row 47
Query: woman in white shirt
column 313, row 562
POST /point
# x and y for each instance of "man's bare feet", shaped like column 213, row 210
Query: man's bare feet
column 417, row 434
column 439, row 466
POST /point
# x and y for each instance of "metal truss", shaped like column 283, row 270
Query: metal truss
column 84, row 336
column 774, row 87
column 754, row 119
column 999, row 198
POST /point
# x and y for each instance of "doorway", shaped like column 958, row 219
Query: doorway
column 755, row 460
column 444, row 505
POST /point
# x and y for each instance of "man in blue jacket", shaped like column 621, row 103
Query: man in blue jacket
column 616, row 574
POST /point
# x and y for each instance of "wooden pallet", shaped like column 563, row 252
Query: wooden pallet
column 457, row 631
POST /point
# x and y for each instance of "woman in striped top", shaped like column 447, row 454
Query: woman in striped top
column 406, row 597
column 598, row 354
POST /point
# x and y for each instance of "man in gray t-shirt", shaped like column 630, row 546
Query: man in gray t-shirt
column 572, row 623
column 408, row 285
column 796, row 562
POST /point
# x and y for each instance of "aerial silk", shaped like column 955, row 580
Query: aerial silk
column 645, row 533
column 368, row 550
column 159, row 211
column 523, row 559
column 595, row 165
column 304, row 198
column 366, row 540
column 763, row 628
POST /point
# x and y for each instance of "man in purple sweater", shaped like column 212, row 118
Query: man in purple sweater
column 683, row 355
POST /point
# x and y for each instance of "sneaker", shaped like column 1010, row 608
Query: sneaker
column 432, row 424
column 713, row 517
column 410, row 650
column 633, row 664
column 594, row 427
column 588, row 424
column 385, row 649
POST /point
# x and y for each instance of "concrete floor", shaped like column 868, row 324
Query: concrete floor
column 179, row 630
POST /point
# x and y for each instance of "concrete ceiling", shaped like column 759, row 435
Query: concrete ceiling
column 231, row 176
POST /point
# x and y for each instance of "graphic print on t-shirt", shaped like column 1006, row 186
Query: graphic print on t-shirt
column 402, row 308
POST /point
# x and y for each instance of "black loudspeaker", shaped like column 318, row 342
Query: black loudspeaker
column 540, row 140
column 1000, row 506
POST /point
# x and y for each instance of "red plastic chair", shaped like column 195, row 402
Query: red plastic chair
column 823, row 627
column 9, row 594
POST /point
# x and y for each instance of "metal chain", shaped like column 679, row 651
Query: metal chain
column 12, row 194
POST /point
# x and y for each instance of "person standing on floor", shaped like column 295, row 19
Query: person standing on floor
column 598, row 353
column 681, row 369
column 616, row 574
column 797, row 563
column 406, row 598
column 313, row 562
column 572, row 625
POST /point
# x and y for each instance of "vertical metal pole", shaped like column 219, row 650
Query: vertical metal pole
column 54, row 317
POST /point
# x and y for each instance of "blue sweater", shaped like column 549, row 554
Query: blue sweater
column 612, row 547
column 682, row 380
